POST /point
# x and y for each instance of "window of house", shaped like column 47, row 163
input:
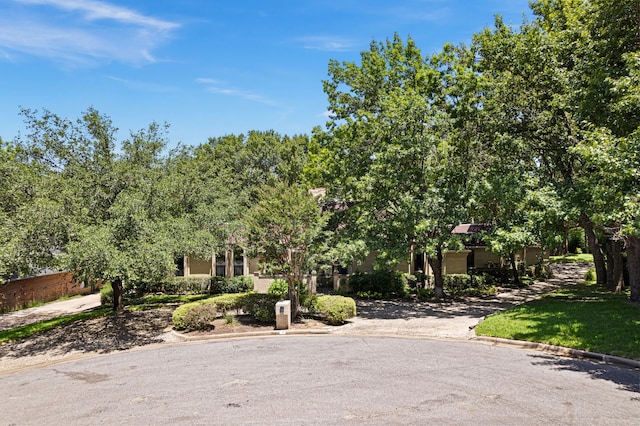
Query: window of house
column 220, row 266
column 238, row 263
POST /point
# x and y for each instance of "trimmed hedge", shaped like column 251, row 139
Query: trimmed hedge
column 224, row 285
column 383, row 283
column 335, row 309
column 198, row 285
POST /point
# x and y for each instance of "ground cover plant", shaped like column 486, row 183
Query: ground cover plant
column 584, row 316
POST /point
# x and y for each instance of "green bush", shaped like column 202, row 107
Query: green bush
column 386, row 283
column 335, row 309
column 197, row 315
column 590, row 275
column 261, row 307
column 224, row 285
column 200, row 317
column 106, row 294
column 279, row 288
column 178, row 285
column 227, row 302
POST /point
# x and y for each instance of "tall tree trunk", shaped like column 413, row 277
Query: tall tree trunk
column 633, row 265
column 436, row 267
column 596, row 250
column 116, row 285
column 614, row 265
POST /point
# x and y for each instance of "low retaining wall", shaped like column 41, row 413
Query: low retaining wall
column 44, row 288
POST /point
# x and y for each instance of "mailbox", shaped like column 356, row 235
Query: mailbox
column 283, row 315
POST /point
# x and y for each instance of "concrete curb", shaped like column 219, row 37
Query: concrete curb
column 289, row 332
column 559, row 350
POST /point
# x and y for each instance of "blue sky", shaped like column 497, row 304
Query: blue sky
column 208, row 68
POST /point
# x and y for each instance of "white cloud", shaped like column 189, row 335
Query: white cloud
column 327, row 43
column 67, row 30
column 95, row 10
column 217, row 87
column 144, row 86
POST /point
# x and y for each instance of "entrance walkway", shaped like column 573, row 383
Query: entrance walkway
column 49, row 311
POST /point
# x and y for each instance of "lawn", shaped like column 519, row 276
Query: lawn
column 572, row 258
column 583, row 316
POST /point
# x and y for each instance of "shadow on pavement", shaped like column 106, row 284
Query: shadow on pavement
column 626, row 379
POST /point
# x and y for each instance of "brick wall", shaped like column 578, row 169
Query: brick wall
column 43, row 288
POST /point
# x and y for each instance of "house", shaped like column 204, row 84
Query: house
column 233, row 263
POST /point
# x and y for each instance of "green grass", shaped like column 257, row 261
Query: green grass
column 38, row 327
column 572, row 258
column 584, row 316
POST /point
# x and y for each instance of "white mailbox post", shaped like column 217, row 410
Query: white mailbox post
column 283, row 315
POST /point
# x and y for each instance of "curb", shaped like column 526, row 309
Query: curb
column 560, row 350
column 289, row 332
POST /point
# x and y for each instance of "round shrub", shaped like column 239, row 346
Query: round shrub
column 590, row 275
column 198, row 315
column 335, row 309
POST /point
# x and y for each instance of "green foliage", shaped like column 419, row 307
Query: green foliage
column 284, row 228
column 106, row 295
column 198, row 315
column 178, row 285
column 335, row 309
column 461, row 285
column 590, row 275
column 279, row 288
column 383, row 283
column 572, row 258
column 260, row 306
column 576, row 240
column 239, row 284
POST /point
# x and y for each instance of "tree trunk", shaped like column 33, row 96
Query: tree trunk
column 596, row 250
column 613, row 249
column 116, row 285
column 294, row 295
column 436, row 267
column 633, row 265
column 514, row 269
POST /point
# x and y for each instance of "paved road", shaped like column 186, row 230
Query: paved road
column 323, row 380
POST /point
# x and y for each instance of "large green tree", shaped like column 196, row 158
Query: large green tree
column 550, row 93
column 400, row 140
column 102, row 214
column 284, row 228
